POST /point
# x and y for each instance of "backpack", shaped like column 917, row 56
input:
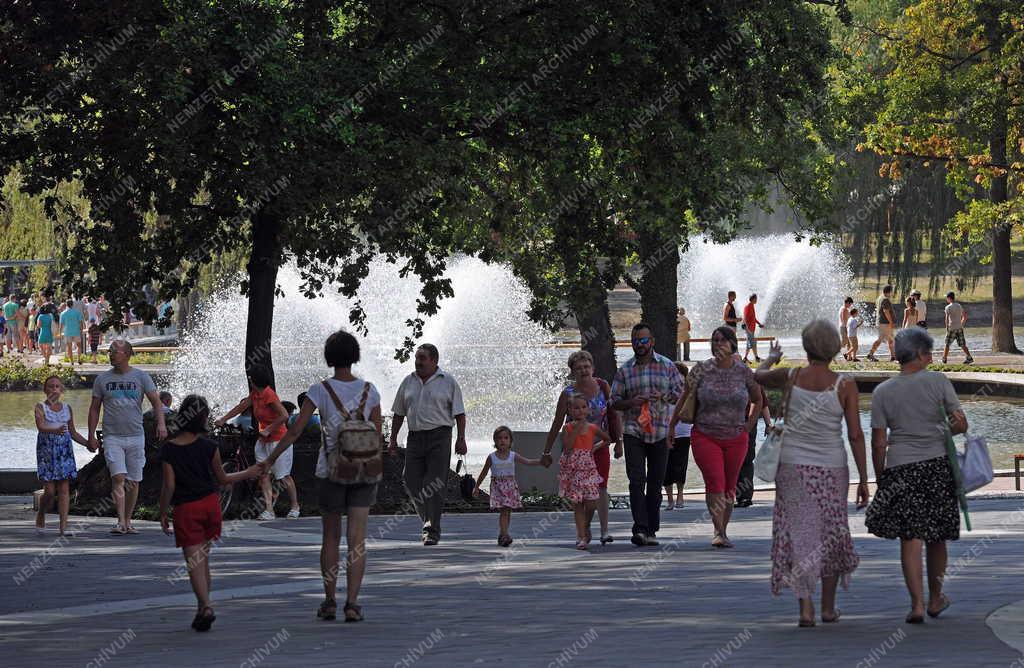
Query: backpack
column 357, row 455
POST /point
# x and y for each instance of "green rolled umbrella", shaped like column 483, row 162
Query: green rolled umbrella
column 955, row 464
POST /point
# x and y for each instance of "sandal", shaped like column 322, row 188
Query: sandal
column 118, row 530
column 946, row 602
column 204, row 620
column 914, row 619
column 831, row 620
column 353, row 613
column 131, row 530
column 581, row 544
column 328, row 610
column 806, row 623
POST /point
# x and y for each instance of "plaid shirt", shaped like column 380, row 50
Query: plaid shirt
column 658, row 375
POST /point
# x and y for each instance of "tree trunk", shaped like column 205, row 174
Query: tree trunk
column 659, row 260
column 1002, row 296
column 262, row 269
column 595, row 325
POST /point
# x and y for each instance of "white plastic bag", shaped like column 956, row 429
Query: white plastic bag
column 975, row 464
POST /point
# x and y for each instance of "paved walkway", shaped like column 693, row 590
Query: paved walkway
column 101, row 600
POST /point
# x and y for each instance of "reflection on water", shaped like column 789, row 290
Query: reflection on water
column 999, row 421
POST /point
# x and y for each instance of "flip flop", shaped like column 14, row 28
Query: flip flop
column 831, row 620
column 806, row 623
column 946, row 602
column 914, row 619
column 131, row 530
column 117, row 530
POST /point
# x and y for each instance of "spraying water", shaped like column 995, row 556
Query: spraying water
column 507, row 372
column 795, row 282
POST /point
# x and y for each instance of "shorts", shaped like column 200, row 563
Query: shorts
column 844, row 338
column 11, row 333
column 885, row 332
column 335, row 498
column 751, row 338
column 197, row 521
column 854, row 343
column 125, row 455
column 282, row 466
column 958, row 336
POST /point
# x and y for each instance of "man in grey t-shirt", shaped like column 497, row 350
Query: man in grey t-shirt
column 956, row 318
column 120, row 392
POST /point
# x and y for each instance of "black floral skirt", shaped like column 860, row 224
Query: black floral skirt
column 916, row 501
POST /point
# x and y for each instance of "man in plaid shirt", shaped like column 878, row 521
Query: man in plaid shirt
column 651, row 379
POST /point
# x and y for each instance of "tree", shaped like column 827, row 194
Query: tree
column 952, row 96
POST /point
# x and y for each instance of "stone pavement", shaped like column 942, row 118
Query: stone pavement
column 101, row 600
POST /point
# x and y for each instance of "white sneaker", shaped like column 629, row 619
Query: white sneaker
column 293, row 514
column 266, row 515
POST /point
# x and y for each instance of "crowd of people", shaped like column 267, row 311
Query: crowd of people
column 652, row 412
column 39, row 324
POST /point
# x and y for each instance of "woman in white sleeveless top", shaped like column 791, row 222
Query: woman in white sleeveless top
column 810, row 532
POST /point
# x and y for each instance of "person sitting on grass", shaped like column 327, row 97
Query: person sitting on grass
column 192, row 473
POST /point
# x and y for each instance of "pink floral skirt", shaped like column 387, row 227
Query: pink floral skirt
column 505, row 493
column 810, row 531
column 578, row 479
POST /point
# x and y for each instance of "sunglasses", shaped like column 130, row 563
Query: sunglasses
column 642, row 341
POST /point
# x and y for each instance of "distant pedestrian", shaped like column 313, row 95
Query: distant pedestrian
column 745, row 482
column 729, row 310
column 95, row 334
column 358, row 400
column 71, row 326
column 886, row 318
column 725, row 390
column 192, row 474
column 431, row 400
column 956, row 319
column 852, row 325
column 22, row 317
column 645, row 388
column 916, row 499
column 11, row 334
column 504, row 494
column 922, row 309
column 33, row 333
column 810, row 529
column 910, row 314
column 55, row 461
column 683, row 333
column 750, row 325
column 45, row 324
column 844, row 317
column 578, row 479
column 678, row 457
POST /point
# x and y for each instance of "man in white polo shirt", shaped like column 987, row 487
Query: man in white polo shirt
column 431, row 400
column 119, row 392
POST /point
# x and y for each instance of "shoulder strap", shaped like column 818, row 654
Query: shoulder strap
column 789, row 392
column 337, row 402
column 362, row 401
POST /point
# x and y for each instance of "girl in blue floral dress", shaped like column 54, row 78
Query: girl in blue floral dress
column 55, row 462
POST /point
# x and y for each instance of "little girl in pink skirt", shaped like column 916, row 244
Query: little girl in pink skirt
column 505, row 496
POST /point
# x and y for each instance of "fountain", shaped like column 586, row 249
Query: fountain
column 795, row 282
column 507, row 373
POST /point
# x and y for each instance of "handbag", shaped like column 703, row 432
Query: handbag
column 766, row 464
column 466, row 481
column 975, row 464
column 688, row 411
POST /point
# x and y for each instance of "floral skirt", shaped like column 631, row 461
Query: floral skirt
column 54, row 458
column 916, row 501
column 810, row 531
column 505, row 493
column 578, row 479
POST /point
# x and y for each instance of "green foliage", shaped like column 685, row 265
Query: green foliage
column 16, row 375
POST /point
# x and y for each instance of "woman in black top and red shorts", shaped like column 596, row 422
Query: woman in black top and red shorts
column 192, row 473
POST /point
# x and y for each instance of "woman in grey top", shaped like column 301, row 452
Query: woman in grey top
column 810, row 531
column 916, row 499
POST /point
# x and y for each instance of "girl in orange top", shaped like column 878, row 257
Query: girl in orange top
column 578, row 479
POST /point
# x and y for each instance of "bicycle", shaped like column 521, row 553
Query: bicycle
column 233, row 446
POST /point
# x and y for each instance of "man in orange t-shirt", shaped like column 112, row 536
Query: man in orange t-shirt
column 270, row 416
column 750, row 323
